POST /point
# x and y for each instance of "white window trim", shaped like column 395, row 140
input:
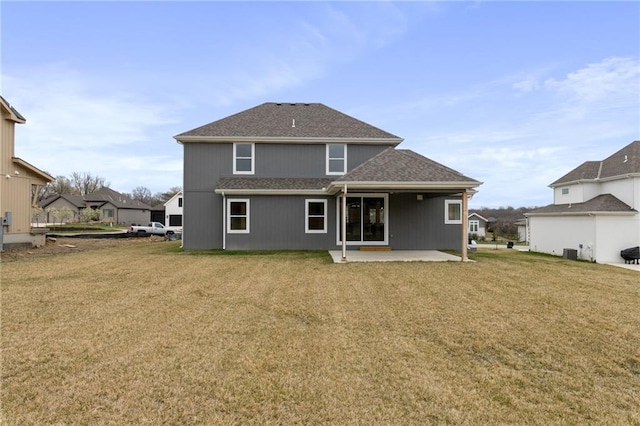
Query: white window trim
column 447, row 203
column 307, row 216
column 344, row 168
column 253, row 159
column 383, row 195
column 477, row 225
column 229, row 216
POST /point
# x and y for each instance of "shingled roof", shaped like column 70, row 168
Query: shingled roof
column 117, row 199
column 404, row 165
column 75, row 200
column 271, row 184
column 622, row 163
column 604, row 203
column 288, row 121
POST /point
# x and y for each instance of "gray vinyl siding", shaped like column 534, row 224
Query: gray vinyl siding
column 206, row 163
column 305, row 161
column 278, row 223
column 129, row 216
column 419, row 225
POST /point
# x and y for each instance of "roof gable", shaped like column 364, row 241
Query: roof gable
column 604, row 203
column 11, row 113
column 403, row 165
column 289, row 121
column 623, row 162
column 118, row 200
column 476, row 215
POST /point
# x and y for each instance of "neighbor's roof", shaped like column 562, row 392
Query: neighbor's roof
column 294, row 121
column 277, row 185
column 477, row 215
column 404, row 165
column 73, row 199
column 604, row 203
column 622, row 163
column 13, row 113
column 119, row 200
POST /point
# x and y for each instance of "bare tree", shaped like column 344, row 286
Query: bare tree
column 62, row 185
column 86, row 183
column 166, row 196
column 143, row 194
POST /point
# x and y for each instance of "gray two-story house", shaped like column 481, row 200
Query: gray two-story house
column 305, row 176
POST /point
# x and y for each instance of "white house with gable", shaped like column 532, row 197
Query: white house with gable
column 173, row 211
column 595, row 209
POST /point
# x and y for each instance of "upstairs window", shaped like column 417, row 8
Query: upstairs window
column 336, row 159
column 316, row 217
column 453, row 211
column 565, row 191
column 243, row 158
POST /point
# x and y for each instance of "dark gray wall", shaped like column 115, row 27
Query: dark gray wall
column 206, row 163
column 278, row 222
column 305, row 161
column 419, row 225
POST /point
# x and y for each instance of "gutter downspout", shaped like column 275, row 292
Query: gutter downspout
column 224, row 222
column 343, row 224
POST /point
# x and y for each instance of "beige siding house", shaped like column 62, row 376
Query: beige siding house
column 19, row 183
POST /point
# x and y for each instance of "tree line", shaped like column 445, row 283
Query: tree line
column 83, row 183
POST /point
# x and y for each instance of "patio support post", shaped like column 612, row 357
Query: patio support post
column 343, row 223
column 465, row 226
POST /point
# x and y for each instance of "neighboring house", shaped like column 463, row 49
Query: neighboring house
column 109, row 205
column 477, row 225
column 173, row 210
column 523, row 232
column 19, row 184
column 302, row 176
column 595, row 209
column 118, row 208
column 53, row 205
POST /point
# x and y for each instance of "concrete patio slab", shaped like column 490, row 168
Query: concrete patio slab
column 394, row 256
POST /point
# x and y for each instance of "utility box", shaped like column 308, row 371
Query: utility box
column 571, row 254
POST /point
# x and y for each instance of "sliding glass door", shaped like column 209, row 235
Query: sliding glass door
column 366, row 219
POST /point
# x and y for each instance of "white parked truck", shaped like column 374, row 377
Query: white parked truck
column 152, row 228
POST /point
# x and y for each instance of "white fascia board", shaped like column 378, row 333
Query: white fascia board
column 271, row 191
column 259, row 139
column 595, row 180
column 177, row 194
column 405, row 185
column 588, row 213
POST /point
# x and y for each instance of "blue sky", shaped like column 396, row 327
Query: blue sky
column 514, row 94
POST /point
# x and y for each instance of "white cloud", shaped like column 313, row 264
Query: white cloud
column 611, row 80
column 301, row 49
column 74, row 126
column 520, row 132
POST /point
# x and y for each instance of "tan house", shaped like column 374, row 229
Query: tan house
column 19, row 184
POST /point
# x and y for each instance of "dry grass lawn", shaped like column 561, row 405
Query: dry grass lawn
column 145, row 334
